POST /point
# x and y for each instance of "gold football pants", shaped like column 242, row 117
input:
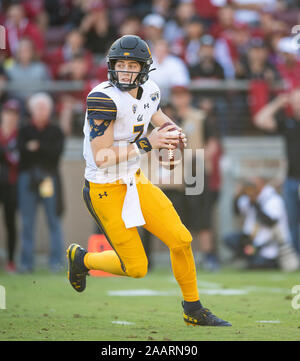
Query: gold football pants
column 128, row 258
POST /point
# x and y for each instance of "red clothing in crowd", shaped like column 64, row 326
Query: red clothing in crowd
column 206, row 9
column 25, row 29
column 33, row 8
column 258, row 96
column 59, row 56
column 290, row 74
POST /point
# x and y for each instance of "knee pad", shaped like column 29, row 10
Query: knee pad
column 183, row 238
column 137, row 270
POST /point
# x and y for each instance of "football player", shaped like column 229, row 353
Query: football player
column 116, row 192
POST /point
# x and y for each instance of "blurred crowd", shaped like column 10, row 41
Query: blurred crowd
column 190, row 40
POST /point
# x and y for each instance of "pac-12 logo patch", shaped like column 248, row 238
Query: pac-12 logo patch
column 134, row 108
column 154, row 96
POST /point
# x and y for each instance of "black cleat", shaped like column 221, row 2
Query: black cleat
column 203, row 317
column 77, row 271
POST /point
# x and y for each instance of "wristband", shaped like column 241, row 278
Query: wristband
column 144, row 144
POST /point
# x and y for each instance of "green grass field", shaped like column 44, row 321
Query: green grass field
column 43, row 306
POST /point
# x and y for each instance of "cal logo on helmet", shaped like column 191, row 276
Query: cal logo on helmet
column 129, row 47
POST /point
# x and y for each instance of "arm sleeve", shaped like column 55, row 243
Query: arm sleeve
column 100, row 107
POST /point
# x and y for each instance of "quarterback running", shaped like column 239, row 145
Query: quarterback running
column 117, row 194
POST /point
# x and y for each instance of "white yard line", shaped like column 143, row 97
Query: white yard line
column 269, row 321
column 122, row 322
column 148, row 292
column 222, row 291
column 142, row 292
column 205, row 287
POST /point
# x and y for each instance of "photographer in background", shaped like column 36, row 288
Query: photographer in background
column 282, row 116
column 265, row 238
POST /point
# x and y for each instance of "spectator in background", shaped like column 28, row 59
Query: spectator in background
column 272, row 118
column 174, row 28
column 153, row 26
column 187, row 48
column 265, row 229
column 248, row 11
column 9, row 158
column 224, row 23
column 18, row 27
column 40, row 144
column 226, row 32
column 35, row 13
column 72, row 105
column 98, row 31
column 26, row 69
column 80, row 8
column 162, row 7
column 60, row 60
column 261, row 73
column 199, row 208
column 255, row 65
column 170, row 69
column 270, row 25
column 33, row 9
column 131, row 26
column 207, row 66
column 241, row 41
column 272, row 41
column 58, row 11
column 288, row 64
column 120, row 9
column 208, row 9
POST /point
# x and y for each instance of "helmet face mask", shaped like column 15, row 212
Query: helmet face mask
column 129, row 47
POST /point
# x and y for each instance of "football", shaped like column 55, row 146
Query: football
column 170, row 158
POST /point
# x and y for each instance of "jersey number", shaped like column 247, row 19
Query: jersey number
column 138, row 129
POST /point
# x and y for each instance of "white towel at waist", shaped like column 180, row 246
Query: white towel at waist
column 131, row 213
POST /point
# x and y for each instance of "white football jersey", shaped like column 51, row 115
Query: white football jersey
column 130, row 116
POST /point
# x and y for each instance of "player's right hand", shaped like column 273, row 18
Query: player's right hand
column 164, row 138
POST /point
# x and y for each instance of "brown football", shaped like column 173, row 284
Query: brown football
column 170, row 158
